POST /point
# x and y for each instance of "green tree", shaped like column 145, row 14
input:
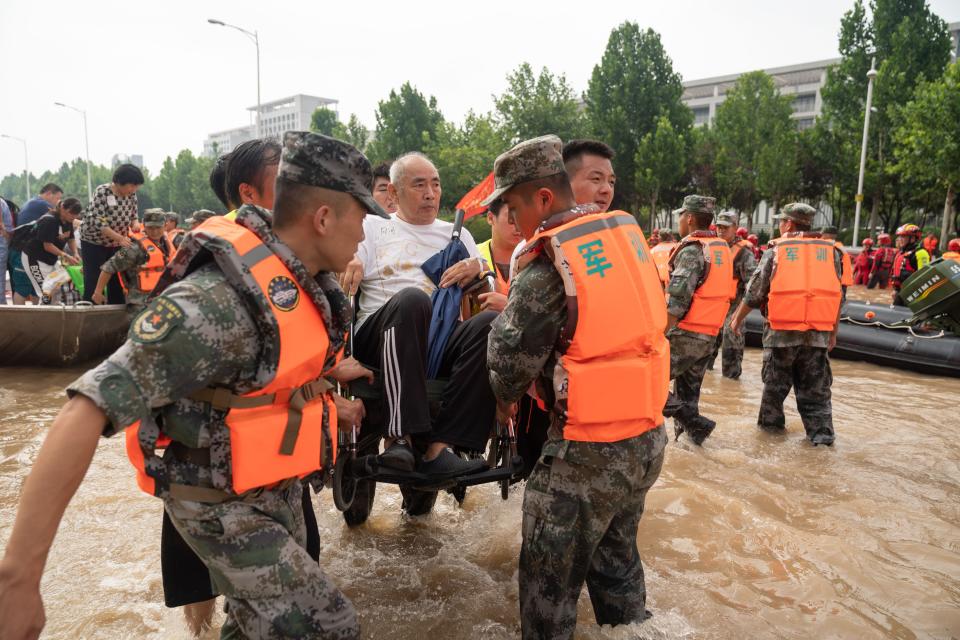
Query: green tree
column 928, row 139
column 406, row 121
column 464, row 155
column 355, row 133
column 756, row 144
column 325, row 121
column 660, row 161
column 183, row 184
column 910, row 44
column 535, row 106
column 629, row 90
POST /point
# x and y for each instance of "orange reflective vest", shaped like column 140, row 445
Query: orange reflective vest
column 951, row 255
column 847, row 278
column 735, row 250
column 276, row 432
column 711, row 300
column 661, row 257
column 612, row 349
column 805, row 291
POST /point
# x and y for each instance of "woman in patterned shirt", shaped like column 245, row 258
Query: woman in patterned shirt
column 106, row 228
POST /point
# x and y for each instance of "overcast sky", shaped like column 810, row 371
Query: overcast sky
column 155, row 77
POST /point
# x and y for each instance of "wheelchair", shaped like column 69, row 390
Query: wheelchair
column 357, row 471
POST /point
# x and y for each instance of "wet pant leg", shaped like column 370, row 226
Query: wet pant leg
column 185, row 577
column 468, row 408
column 615, row 580
column 812, row 379
column 777, row 376
column 732, row 347
column 3, row 271
column 254, row 550
column 394, row 339
column 689, row 358
column 580, row 525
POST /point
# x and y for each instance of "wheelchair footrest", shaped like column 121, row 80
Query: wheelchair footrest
column 367, row 468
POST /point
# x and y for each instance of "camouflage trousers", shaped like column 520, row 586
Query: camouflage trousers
column 689, row 358
column 255, row 550
column 807, row 370
column 580, row 519
column 730, row 347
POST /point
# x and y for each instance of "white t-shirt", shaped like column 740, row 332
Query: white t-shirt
column 392, row 252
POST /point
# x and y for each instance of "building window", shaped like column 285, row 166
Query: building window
column 804, row 103
column 701, row 115
column 804, row 123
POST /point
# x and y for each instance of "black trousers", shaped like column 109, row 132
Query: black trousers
column 186, row 579
column 394, row 339
column 94, row 255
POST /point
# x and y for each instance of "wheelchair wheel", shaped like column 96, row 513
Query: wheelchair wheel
column 359, row 511
column 344, row 486
column 417, row 503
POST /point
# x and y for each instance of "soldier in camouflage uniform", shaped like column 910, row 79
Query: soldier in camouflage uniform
column 690, row 351
column 200, row 331
column 744, row 264
column 199, row 216
column 128, row 260
column 792, row 358
column 583, row 501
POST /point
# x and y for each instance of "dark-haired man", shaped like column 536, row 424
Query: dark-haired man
column 221, row 345
column 251, row 173
column 49, row 197
column 584, row 499
column 218, row 181
column 381, row 188
column 589, row 164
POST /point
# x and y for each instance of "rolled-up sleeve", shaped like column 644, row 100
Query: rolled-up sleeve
column 758, row 288
column 687, row 270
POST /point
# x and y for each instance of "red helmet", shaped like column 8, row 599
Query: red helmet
column 742, row 232
column 754, row 238
column 867, row 242
column 883, row 238
column 954, row 245
column 713, row 227
column 910, row 230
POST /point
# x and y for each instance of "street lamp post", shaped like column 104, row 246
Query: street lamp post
column 86, row 145
column 26, row 162
column 256, row 41
column 863, row 149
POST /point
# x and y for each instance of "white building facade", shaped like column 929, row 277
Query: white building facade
column 287, row 114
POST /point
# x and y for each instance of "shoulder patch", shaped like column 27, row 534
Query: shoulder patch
column 156, row 321
column 283, row 293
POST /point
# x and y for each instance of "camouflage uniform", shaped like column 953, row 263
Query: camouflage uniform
column 583, row 501
column 690, row 352
column 731, row 345
column 128, row 260
column 200, row 332
column 795, row 359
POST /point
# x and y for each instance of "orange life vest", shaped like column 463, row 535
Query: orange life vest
column 486, row 252
column 805, row 290
column 711, row 300
column 613, row 349
column 951, row 255
column 847, row 278
column 735, row 250
column 149, row 273
column 276, row 432
column 661, row 257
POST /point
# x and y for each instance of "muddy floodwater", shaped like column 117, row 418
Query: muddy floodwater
column 752, row 536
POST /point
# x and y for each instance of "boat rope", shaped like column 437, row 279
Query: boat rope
column 907, row 327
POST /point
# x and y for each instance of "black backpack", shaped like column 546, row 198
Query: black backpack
column 21, row 236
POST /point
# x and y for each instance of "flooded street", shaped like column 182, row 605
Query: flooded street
column 752, row 536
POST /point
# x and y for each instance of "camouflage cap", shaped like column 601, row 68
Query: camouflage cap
column 529, row 160
column 154, row 218
column 728, row 219
column 317, row 160
column 200, row 215
column 700, row 204
column 798, row 212
column 172, row 216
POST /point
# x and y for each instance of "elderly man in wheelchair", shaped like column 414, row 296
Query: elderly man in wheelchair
column 435, row 431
